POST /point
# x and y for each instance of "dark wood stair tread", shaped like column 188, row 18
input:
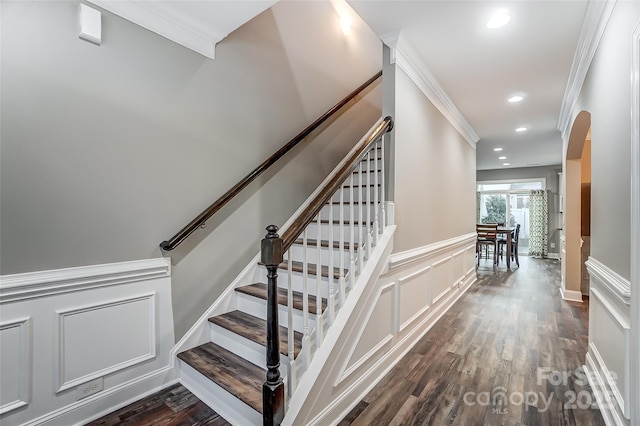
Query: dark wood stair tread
column 364, row 185
column 234, row 374
column 346, row 222
column 325, row 243
column 348, row 202
column 311, row 268
column 260, row 290
column 255, row 329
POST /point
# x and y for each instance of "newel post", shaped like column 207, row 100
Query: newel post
column 273, row 388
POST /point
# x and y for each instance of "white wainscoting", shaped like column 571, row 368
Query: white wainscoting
column 394, row 311
column 608, row 358
column 62, row 329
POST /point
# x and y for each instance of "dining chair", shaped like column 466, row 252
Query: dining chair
column 515, row 237
column 487, row 237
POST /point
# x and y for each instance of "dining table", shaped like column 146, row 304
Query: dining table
column 508, row 232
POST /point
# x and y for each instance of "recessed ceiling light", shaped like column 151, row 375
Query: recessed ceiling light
column 497, row 149
column 498, row 19
column 506, row 164
column 516, row 98
column 502, row 158
column 521, row 129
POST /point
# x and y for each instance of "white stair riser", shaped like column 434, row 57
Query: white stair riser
column 324, row 231
column 257, row 307
column 346, row 210
column 298, row 254
column 228, row 406
column 297, row 281
column 358, row 193
column 244, row 348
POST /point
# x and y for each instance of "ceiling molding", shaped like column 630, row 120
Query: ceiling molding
column 198, row 27
column 593, row 26
column 404, row 56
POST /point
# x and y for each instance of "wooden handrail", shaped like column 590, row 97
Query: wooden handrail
column 272, row 252
column 202, row 218
column 306, row 216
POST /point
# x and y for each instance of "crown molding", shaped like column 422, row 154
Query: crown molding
column 593, row 26
column 403, row 54
column 199, row 27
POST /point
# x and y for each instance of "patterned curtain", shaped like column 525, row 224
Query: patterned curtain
column 477, row 207
column 538, row 223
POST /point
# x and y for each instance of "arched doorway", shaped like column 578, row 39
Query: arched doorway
column 576, row 213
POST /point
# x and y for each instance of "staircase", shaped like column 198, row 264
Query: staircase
column 226, row 370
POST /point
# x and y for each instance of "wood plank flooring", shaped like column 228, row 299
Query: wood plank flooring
column 505, row 354
column 509, row 352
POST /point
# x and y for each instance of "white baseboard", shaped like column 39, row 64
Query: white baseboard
column 571, row 295
column 602, row 393
column 89, row 409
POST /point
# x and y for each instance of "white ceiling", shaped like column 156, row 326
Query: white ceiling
column 479, row 68
column 474, row 69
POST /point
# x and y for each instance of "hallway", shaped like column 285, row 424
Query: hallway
column 507, row 353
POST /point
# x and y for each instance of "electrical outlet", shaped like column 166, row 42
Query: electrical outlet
column 553, row 245
column 89, row 388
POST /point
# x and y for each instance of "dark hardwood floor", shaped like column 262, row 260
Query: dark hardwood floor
column 509, row 352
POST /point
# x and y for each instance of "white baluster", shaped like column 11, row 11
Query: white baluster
column 341, row 250
column 383, row 217
column 352, row 236
column 360, row 220
column 368, row 189
column 376, row 200
column 330, row 275
column 319, row 284
column 305, row 299
column 290, row 340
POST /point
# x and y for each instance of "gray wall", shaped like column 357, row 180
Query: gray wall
column 550, row 173
column 435, row 171
column 107, row 150
column 606, row 95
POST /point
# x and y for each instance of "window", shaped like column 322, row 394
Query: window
column 499, row 200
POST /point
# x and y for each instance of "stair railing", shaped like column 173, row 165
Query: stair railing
column 368, row 213
column 201, row 220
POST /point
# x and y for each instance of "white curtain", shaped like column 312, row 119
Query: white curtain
column 538, row 223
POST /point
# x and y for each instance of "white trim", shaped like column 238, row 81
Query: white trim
column 603, row 398
column 59, row 350
column 542, row 180
column 593, row 26
column 377, row 370
column 184, row 33
column 348, row 370
column 413, row 255
column 571, row 295
column 635, row 228
column 404, row 55
column 25, row 364
column 68, row 415
column 614, row 283
column 47, row 283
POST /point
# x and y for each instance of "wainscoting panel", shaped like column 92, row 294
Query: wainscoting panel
column 15, row 364
column 395, row 309
column 376, row 332
column 80, row 342
column 609, row 336
column 126, row 324
column 415, row 295
column 442, row 278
